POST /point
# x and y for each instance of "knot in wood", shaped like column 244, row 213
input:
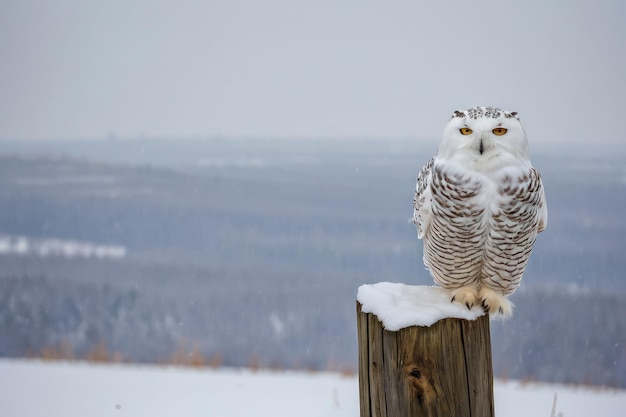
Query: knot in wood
column 415, row 373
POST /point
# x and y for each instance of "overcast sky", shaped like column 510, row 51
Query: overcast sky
column 324, row 68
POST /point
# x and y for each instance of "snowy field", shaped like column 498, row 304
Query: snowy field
column 34, row 389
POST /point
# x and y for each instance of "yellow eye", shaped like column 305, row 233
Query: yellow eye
column 466, row 131
column 499, row 131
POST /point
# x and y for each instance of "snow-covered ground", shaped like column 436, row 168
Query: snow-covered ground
column 34, row 389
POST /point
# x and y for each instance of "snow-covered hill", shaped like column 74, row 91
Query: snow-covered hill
column 254, row 249
column 33, row 389
column 22, row 245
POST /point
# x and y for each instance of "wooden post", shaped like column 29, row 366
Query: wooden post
column 442, row 370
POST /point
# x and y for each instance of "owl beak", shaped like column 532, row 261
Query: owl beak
column 483, row 144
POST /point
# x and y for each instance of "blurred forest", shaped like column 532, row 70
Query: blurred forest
column 255, row 249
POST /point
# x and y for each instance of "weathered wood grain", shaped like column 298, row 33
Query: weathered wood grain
column 441, row 370
column 364, row 384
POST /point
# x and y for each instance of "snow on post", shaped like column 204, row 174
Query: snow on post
column 421, row 355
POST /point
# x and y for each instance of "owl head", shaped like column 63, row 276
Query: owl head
column 484, row 135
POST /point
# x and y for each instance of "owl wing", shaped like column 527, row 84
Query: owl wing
column 422, row 212
column 543, row 206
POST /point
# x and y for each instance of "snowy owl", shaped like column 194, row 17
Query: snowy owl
column 478, row 206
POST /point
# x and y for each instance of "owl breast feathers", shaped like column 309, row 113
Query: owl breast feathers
column 479, row 205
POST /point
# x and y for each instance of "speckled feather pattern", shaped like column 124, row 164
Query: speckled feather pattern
column 479, row 222
column 468, row 243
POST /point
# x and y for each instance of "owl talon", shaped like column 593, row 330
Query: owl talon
column 465, row 296
column 495, row 303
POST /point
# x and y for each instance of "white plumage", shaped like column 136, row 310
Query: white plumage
column 478, row 206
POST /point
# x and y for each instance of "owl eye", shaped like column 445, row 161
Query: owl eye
column 465, row 131
column 499, row 131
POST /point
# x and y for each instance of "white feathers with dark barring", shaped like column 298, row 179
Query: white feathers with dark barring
column 479, row 205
